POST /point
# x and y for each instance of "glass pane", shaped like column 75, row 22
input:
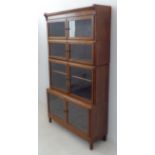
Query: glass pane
column 56, row 29
column 80, row 28
column 56, row 49
column 56, row 106
column 78, row 117
column 81, row 82
column 58, row 76
column 81, row 52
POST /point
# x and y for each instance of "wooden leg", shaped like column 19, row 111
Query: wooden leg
column 50, row 120
column 91, row 145
column 104, row 138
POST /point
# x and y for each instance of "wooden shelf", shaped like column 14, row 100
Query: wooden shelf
column 59, row 72
column 77, row 77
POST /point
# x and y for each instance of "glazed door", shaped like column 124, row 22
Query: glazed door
column 78, row 117
column 58, row 76
column 58, row 50
column 56, row 106
column 76, row 52
column 81, row 82
column 71, row 113
column 56, row 29
column 81, row 27
column 81, row 52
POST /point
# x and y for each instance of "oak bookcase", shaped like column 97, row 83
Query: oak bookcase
column 79, row 53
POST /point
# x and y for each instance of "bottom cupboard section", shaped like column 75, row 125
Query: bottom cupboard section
column 70, row 113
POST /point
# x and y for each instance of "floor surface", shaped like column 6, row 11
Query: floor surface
column 55, row 140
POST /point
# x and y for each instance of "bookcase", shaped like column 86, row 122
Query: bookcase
column 78, row 57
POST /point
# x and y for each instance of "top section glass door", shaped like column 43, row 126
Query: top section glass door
column 81, row 28
column 56, row 29
column 71, row 28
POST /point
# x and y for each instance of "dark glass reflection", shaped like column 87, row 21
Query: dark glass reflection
column 59, row 67
column 56, row 29
column 58, row 76
column 81, row 52
column 80, row 28
column 78, row 117
column 81, row 82
column 56, row 106
column 57, row 50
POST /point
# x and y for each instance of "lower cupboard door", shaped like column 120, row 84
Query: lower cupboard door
column 78, row 117
column 56, row 106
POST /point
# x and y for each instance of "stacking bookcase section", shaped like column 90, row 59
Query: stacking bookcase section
column 71, row 113
column 79, row 52
column 73, row 51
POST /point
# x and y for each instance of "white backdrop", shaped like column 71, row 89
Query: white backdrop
column 59, row 5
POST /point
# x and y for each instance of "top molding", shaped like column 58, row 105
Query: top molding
column 90, row 8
